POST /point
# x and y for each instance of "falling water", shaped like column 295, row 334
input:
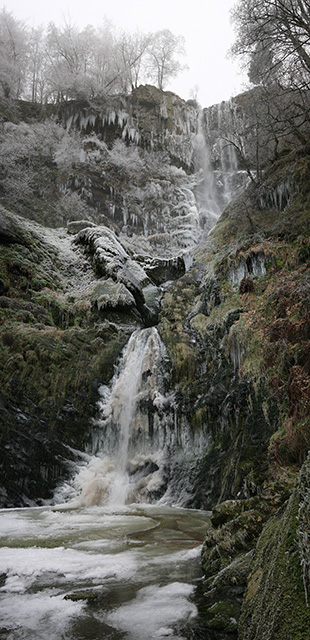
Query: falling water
column 220, row 127
column 228, row 168
column 130, row 436
column 206, row 191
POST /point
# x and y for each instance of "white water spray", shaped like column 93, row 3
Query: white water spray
column 206, row 191
column 220, row 128
column 129, row 437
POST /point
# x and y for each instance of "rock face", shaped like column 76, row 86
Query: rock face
column 158, row 120
column 113, row 263
column 276, row 599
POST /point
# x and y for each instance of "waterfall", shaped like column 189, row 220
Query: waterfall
column 227, row 158
column 132, row 435
column 206, row 191
column 220, row 178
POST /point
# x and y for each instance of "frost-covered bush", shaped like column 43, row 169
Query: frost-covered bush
column 70, row 206
column 94, row 149
column 28, row 142
column 30, row 154
column 25, row 149
column 126, row 157
column 69, row 150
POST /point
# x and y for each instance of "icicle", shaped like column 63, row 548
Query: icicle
column 111, row 117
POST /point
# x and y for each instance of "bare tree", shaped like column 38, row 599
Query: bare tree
column 273, row 37
column 274, row 33
column 163, row 63
column 132, row 50
column 36, row 82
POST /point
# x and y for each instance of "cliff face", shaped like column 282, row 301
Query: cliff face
column 260, row 260
column 126, row 162
column 276, row 599
column 148, row 117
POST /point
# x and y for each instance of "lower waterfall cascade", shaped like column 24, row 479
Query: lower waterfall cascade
column 129, row 436
column 103, row 563
column 136, row 446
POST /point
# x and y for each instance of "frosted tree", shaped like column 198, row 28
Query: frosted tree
column 132, row 50
column 162, row 61
column 13, row 55
column 66, row 63
column 104, row 73
column 69, row 61
column 36, row 80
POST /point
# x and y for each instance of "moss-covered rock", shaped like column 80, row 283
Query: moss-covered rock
column 276, row 600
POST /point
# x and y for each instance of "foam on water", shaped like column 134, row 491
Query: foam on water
column 140, row 563
column 38, row 616
column 31, row 567
column 154, row 610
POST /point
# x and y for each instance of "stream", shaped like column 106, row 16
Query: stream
column 96, row 573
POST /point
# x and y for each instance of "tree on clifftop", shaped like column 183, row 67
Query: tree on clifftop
column 163, row 64
column 65, row 63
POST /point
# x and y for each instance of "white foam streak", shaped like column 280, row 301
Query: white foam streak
column 154, row 610
column 25, row 568
column 38, row 617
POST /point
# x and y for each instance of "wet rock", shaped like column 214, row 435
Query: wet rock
column 87, row 596
column 31, row 461
column 210, row 295
column 247, row 268
column 132, row 286
column 108, row 294
column 10, row 231
column 223, row 595
column 234, row 537
column 276, row 600
column 161, row 270
column 225, row 511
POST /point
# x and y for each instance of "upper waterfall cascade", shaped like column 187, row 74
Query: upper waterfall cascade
column 206, row 191
column 220, row 176
column 220, row 126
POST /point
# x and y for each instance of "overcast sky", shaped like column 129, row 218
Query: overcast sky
column 205, row 25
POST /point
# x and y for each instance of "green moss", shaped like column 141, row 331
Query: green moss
column 274, row 605
column 223, row 616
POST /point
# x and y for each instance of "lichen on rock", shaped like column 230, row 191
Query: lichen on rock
column 275, row 603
